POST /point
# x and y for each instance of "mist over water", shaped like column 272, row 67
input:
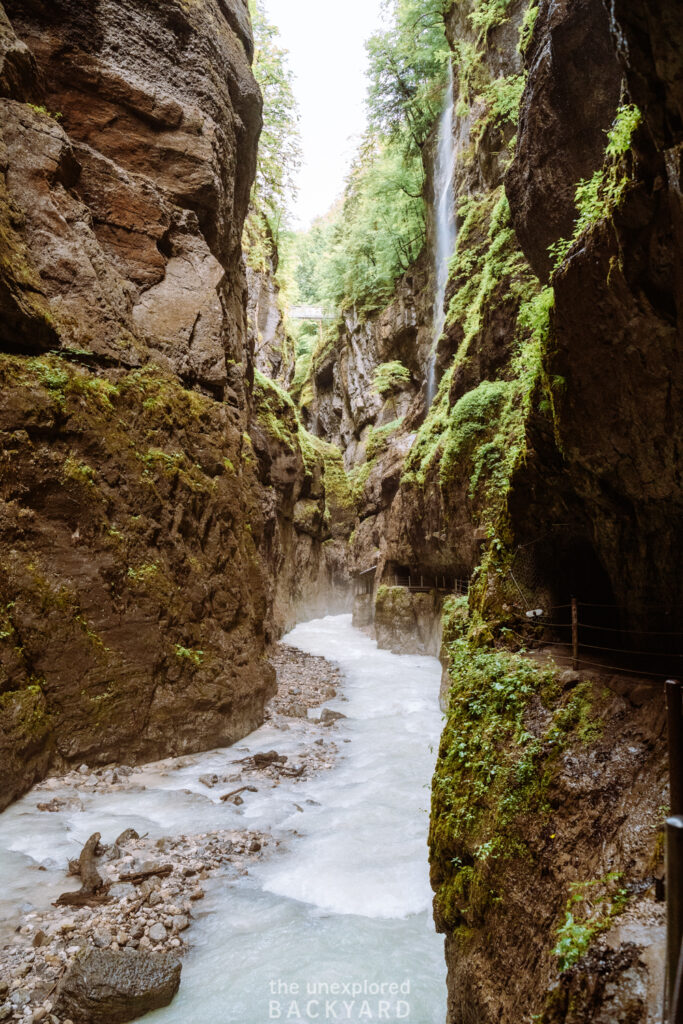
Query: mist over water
column 346, row 901
column 445, row 225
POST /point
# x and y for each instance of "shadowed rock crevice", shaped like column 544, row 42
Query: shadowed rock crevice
column 571, row 97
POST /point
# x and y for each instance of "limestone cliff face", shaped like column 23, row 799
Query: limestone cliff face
column 417, row 506
column 126, row 188
column 269, row 340
column 135, row 615
column 618, row 296
column 344, row 404
column 556, row 430
column 547, row 466
column 308, row 511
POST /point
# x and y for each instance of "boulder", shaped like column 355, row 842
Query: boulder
column 329, row 716
column 127, row 836
column 263, row 760
column 103, row 986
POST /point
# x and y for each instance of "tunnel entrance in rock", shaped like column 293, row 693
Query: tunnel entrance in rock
column 564, row 567
column 578, row 573
column 567, row 567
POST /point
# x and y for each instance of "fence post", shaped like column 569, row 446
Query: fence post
column 674, row 716
column 674, row 852
column 575, row 634
column 674, row 911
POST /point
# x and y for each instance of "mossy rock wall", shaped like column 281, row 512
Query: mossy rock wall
column 310, row 513
column 408, row 622
column 133, row 600
column 545, row 841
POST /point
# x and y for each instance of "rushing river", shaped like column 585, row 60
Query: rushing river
column 336, row 925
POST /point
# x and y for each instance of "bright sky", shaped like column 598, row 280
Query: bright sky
column 325, row 39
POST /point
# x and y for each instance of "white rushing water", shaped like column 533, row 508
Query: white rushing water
column 445, row 225
column 346, row 901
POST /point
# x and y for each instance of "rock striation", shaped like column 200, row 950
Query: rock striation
column 134, row 608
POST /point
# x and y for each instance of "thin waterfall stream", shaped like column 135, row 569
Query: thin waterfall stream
column 334, row 925
column 446, row 234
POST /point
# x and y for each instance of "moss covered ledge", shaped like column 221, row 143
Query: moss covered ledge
column 541, row 831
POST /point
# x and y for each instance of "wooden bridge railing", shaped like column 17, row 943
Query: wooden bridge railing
column 415, row 582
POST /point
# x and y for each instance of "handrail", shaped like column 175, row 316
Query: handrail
column 673, row 996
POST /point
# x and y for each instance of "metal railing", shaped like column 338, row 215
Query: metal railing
column 673, row 996
column 586, row 643
column 418, row 582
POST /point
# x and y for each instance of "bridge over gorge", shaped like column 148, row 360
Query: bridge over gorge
column 311, row 314
column 316, row 313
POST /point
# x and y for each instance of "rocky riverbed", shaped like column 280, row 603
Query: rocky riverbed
column 131, row 917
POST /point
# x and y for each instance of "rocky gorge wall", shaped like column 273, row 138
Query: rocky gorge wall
column 269, row 339
column 545, row 468
column 526, row 461
column 423, row 506
column 165, row 513
column 139, row 532
column 308, row 508
column 615, row 326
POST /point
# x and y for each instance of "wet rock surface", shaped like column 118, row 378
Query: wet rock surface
column 128, row 135
column 112, row 987
column 568, row 110
column 616, row 323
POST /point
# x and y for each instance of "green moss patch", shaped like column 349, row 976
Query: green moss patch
column 508, row 721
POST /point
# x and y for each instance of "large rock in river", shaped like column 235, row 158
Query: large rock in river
column 104, row 986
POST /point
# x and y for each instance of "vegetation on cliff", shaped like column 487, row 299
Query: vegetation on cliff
column 279, row 155
column 520, row 744
column 145, row 485
column 599, row 196
column 475, row 429
column 276, row 411
column 378, row 231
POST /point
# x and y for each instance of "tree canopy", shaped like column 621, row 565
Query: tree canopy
column 354, row 257
column 280, row 147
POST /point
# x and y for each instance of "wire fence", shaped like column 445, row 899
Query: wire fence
column 673, row 993
column 590, row 644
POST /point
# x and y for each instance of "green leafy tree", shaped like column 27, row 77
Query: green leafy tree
column 381, row 230
column 280, row 147
column 407, row 71
column 356, row 255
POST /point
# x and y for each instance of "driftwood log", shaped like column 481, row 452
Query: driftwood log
column 94, row 890
column 236, row 792
column 157, row 870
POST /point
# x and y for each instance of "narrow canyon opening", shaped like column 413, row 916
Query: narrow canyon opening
column 340, row 501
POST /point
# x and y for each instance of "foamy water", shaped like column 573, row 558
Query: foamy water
column 345, row 902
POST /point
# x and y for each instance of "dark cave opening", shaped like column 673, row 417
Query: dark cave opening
column 578, row 573
column 609, row 635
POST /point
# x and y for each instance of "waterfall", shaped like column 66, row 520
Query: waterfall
column 445, row 226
